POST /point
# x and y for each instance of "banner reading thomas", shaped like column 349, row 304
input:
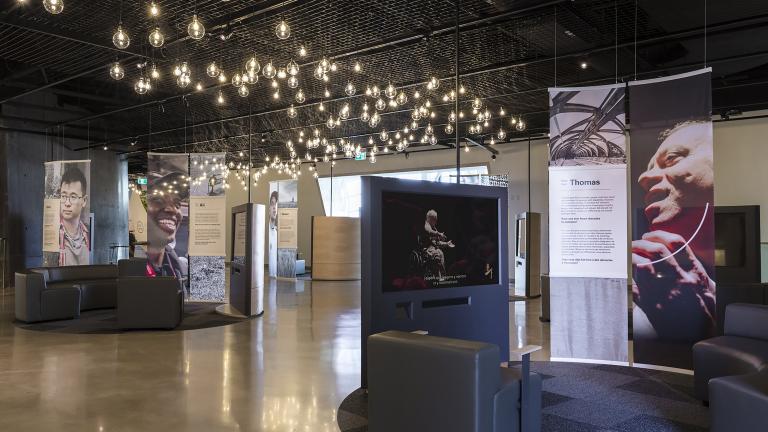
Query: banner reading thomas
column 672, row 248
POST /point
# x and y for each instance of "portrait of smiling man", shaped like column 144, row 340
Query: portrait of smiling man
column 74, row 242
column 164, row 217
column 673, row 260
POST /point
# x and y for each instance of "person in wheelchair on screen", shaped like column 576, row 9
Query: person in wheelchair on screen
column 433, row 243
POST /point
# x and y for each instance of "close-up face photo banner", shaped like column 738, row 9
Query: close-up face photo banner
column 168, row 215
column 66, row 213
column 672, row 187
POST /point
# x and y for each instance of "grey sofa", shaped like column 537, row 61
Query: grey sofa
column 743, row 348
column 38, row 290
column 149, row 303
column 739, row 403
column 427, row 383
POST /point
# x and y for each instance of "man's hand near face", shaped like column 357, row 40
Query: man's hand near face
column 676, row 294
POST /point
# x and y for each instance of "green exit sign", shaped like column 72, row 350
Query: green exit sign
column 360, row 156
column 141, row 180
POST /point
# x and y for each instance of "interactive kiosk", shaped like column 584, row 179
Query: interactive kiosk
column 246, row 278
column 528, row 255
column 434, row 259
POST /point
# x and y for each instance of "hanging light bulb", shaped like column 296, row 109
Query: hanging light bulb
column 222, row 77
column 449, row 128
column 213, row 70
column 493, row 141
column 331, row 123
column 344, row 113
column 196, row 29
column 300, row 97
column 199, row 86
column 281, row 73
column 502, row 135
column 177, row 70
column 401, row 98
column 154, row 10
column 292, row 68
column 292, row 112
column 375, row 120
column 466, row 148
column 429, row 130
column 250, row 77
column 452, row 117
column 54, row 6
column 520, row 126
column 326, row 93
column 390, row 91
column 380, row 104
column 121, row 39
column 184, row 68
column 156, row 38
column 415, row 114
column 220, row 98
column 142, row 86
column 416, row 94
column 183, row 81
column 365, row 117
column 293, row 82
column 477, row 104
column 116, row 71
column 243, row 91
column 433, row 83
column 252, row 65
column 237, row 80
column 502, row 112
column 375, row 91
column 269, row 70
column 282, row 30
column 276, row 95
column 302, row 51
column 357, row 67
column 383, row 135
column 154, row 73
column 321, row 106
column 432, row 140
column 350, row 89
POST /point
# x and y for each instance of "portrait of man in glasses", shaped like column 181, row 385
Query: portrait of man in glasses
column 74, row 242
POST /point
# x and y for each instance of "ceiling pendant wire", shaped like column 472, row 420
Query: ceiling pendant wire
column 554, row 31
column 616, row 40
column 635, row 45
column 705, row 33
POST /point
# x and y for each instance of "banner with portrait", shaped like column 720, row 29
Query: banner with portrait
column 672, row 187
column 168, row 216
column 67, row 238
column 588, row 223
column 283, row 228
column 207, row 226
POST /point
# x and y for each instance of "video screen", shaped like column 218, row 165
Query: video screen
column 438, row 241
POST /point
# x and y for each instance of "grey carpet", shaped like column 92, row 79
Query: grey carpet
column 580, row 397
column 104, row 321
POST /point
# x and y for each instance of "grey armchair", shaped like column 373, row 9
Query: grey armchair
column 739, row 403
column 743, row 349
column 132, row 267
column 149, row 303
column 36, row 302
column 427, row 383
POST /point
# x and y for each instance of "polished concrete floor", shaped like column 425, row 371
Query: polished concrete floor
column 286, row 371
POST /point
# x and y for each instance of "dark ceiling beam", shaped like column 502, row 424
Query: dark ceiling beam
column 237, row 17
column 30, row 26
column 412, row 37
column 482, row 145
column 63, row 92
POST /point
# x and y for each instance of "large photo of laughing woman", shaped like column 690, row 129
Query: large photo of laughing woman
column 672, row 247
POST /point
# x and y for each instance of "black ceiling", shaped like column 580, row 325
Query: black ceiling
column 511, row 51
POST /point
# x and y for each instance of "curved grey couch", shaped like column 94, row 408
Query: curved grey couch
column 50, row 293
column 422, row 383
column 731, row 371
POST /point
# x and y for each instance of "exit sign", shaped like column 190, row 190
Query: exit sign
column 360, row 156
column 141, row 180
